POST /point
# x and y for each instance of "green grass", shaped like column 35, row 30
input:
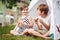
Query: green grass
column 4, row 34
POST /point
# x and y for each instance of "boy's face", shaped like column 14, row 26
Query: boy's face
column 39, row 12
column 25, row 10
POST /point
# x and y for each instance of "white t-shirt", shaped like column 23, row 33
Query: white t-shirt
column 45, row 20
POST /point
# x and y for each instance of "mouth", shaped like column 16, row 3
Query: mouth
column 25, row 12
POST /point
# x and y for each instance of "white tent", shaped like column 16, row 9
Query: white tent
column 33, row 7
column 56, row 12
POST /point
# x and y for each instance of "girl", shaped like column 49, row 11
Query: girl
column 25, row 21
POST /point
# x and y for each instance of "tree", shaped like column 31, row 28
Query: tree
column 11, row 3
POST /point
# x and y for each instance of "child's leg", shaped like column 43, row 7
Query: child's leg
column 14, row 32
column 24, row 32
column 35, row 33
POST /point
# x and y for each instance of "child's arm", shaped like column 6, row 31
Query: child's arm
column 19, row 22
column 47, row 26
column 39, row 27
column 30, row 22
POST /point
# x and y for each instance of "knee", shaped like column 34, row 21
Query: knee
column 26, row 30
column 11, row 32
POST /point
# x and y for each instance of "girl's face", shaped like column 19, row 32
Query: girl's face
column 25, row 11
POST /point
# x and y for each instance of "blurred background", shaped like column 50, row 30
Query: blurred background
column 10, row 10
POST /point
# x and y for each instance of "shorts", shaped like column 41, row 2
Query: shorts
column 42, row 31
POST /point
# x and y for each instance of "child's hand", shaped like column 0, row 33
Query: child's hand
column 22, row 22
column 36, row 21
column 20, row 25
column 41, row 21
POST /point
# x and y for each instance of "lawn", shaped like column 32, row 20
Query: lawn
column 4, row 34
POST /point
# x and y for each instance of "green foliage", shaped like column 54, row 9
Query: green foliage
column 11, row 3
column 6, row 29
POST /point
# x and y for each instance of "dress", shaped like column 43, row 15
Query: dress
column 26, row 20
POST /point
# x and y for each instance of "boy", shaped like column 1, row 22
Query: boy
column 43, row 20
